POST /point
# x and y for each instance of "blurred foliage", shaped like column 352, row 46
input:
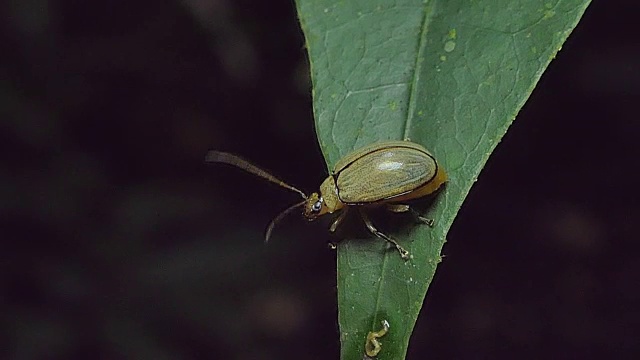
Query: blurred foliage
column 120, row 244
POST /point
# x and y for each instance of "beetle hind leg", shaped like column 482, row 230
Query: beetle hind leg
column 401, row 208
column 372, row 229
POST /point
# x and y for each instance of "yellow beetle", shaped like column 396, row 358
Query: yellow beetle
column 388, row 174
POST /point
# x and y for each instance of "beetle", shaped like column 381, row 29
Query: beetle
column 384, row 174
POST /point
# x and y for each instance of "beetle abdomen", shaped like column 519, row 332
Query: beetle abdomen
column 384, row 174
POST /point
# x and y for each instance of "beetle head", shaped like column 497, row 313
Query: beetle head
column 314, row 207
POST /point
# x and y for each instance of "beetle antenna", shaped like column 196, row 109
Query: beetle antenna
column 226, row 158
column 277, row 219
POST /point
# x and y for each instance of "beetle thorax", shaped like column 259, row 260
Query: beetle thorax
column 329, row 193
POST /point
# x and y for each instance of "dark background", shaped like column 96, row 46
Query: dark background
column 118, row 243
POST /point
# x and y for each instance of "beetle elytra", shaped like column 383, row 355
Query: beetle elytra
column 384, row 174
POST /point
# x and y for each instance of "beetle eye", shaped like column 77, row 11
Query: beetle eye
column 317, row 206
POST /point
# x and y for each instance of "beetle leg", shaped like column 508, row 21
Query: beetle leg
column 422, row 219
column 338, row 220
column 399, row 208
column 334, row 225
column 403, row 253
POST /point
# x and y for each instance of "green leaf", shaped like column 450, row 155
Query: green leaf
column 450, row 75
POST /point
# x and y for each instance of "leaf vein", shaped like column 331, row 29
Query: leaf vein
column 424, row 28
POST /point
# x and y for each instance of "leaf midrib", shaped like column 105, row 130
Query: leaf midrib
column 424, row 28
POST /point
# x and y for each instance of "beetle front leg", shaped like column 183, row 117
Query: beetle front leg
column 334, row 225
column 338, row 220
column 400, row 208
column 403, row 253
